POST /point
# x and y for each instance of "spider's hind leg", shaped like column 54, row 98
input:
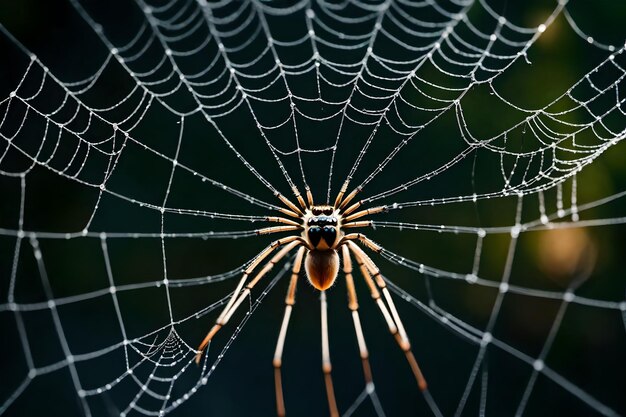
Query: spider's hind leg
column 290, row 301
column 370, row 273
column 326, row 364
column 353, row 305
column 238, row 296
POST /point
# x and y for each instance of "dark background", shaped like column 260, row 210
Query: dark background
column 589, row 347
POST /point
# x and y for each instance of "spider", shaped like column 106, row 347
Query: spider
column 321, row 237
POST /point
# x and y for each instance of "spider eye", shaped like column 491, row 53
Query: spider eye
column 315, row 235
column 329, row 233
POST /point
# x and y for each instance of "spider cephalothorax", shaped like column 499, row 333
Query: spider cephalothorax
column 320, row 234
column 322, row 229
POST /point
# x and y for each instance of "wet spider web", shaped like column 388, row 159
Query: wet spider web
column 141, row 147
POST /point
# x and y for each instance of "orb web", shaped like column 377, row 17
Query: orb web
column 143, row 145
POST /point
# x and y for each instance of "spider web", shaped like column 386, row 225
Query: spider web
column 142, row 142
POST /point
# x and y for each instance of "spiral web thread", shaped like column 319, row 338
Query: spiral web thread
column 386, row 88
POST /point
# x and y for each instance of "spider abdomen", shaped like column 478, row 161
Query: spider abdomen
column 321, row 268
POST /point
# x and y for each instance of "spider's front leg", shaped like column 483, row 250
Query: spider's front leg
column 374, row 210
column 309, row 196
column 340, row 201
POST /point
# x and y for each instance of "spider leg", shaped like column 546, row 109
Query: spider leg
column 326, row 365
column 349, row 198
column 296, row 192
column 275, row 219
column 352, row 208
column 360, row 223
column 267, row 268
column 340, row 201
column 309, row 196
column 395, row 325
column 290, row 300
column 342, row 191
column 364, row 239
column 353, row 305
column 277, row 229
column 289, row 204
column 289, row 212
column 224, row 315
column 362, row 213
column 255, row 262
